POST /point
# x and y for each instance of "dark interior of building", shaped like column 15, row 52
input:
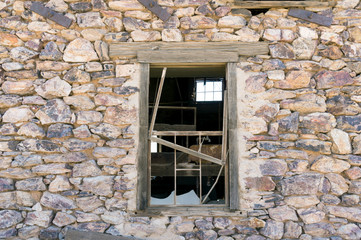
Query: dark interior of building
column 180, row 109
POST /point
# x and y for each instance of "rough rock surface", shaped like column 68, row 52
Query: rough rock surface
column 72, row 130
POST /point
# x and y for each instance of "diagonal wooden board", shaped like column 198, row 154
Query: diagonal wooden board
column 310, row 16
column 46, row 12
column 154, row 7
column 187, row 150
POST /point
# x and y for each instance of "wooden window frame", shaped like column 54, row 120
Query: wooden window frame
column 142, row 203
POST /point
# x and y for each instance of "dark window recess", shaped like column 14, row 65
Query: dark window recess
column 178, row 178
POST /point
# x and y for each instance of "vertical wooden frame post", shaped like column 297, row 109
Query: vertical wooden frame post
column 232, row 135
column 143, row 145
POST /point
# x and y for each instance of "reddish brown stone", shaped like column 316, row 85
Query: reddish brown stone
column 282, row 50
column 260, row 183
column 353, row 173
column 329, row 79
column 332, row 52
column 7, row 39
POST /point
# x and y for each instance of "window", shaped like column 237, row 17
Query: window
column 190, row 163
column 209, row 89
column 185, row 156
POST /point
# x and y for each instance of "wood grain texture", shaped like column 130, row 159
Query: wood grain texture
column 155, row 8
column 79, row 235
column 276, row 4
column 46, row 12
column 310, row 17
column 232, row 136
column 142, row 154
column 187, row 150
column 242, row 48
column 187, row 56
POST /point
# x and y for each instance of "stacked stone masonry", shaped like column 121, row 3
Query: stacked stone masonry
column 69, row 121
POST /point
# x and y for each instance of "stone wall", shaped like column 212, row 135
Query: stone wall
column 69, row 113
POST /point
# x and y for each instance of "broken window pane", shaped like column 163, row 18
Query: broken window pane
column 178, row 177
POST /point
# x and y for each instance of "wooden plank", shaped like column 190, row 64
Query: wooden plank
column 277, row 4
column 242, row 48
column 186, row 150
column 188, row 56
column 204, row 210
column 157, row 100
column 168, row 171
column 81, row 235
column 187, row 133
column 232, row 136
column 310, row 17
column 50, row 14
column 142, row 154
column 174, row 127
column 154, row 7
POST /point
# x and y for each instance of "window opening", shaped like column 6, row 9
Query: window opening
column 190, row 164
column 209, row 89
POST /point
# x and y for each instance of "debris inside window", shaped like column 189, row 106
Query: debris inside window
column 188, row 162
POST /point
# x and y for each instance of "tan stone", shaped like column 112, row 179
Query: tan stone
column 93, row 34
column 139, row 15
column 37, row 26
column 126, row 5
column 59, row 184
column 145, row 36
column 341, row 143
column 80, row 50
column 54, row 88
column 282, row 213
column 295, row 80
column 248, row 35
column 79, row 101
column 18, row 114
column 89, row 19
column 223, row 36
column 7, row 39
column 355, row 34
column 311, row 215
column 327, row 164
column 19, row 87
column 57, row 5
column 172, row 35
column 302, row 201
column 232, row 22
column 305, row 104
column 338, row 183
column 63, row 219
column 304, row 48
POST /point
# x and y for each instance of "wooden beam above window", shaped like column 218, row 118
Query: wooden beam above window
column 280, row 4
column 133, row 49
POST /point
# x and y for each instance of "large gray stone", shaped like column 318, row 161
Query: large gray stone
column 325, row 164
column 54, row 111
column 273, row 229
column 101, row 185
column 54, row 88
column 9, row 218
column 303, row 184
column 56, row 201
column 31, row 184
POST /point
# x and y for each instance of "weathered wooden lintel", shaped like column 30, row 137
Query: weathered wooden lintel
column 278, row 4
column 133, row 49
column 310, row 16
column 46, row 12
column 187, row 56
